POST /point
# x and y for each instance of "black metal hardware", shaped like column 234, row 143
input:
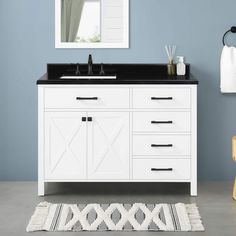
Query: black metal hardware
column 161, row 145
column 77, row 71
column 102, row 72
column 162, row 122
column 162, row 98
column 87, row 98
column 162, row 169
column 90, row 65
column 232, row 30
column 90, row 119
column 84, row 119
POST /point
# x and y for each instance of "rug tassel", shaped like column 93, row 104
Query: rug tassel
column 194, row 217
column 38, row 219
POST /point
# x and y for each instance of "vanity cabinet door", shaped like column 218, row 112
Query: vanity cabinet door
column 65, row 146
column 108, row 145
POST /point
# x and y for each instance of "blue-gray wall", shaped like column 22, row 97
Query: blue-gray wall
column 27, row 44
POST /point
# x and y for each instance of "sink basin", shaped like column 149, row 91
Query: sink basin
column 88, row 77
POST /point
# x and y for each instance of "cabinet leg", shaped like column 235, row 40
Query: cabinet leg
column 193, row 188
column 234, row 191
column 41, row 188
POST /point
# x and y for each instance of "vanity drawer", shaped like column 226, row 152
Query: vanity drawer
column 161, row 169
column 86, row 98
column 162, row 122
column 162, row 145
column 161, row 98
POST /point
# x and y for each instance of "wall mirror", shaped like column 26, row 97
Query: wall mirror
column 92, row 23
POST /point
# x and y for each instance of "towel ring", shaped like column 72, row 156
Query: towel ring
column 232, row 30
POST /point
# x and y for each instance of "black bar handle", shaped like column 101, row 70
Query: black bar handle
column 84, row 119
column 162, row 98
column 161, row 145
column 162, row 122
column 90, row 119
column 162, row 169
column 86, row 98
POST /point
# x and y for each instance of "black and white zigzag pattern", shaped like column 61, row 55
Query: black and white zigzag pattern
column 115, row 217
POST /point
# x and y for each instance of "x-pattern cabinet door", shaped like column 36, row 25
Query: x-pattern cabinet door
column 108, row 145
column 65, row 146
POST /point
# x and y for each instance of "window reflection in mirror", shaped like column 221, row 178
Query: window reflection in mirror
column 89, row 30
column 92, row 23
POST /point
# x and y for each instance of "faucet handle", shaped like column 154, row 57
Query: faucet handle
column 77, row 72
column 102, row 72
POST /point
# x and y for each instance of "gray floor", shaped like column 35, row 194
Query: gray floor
column 18, row 200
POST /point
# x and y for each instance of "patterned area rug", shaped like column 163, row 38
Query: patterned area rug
column 115, row 217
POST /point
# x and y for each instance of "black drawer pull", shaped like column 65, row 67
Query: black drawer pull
column 162, row 122
column 84, row 119
column 161, row 145
column 162, row 98
column 87, row 98
column 90, row 119
column 161, row 169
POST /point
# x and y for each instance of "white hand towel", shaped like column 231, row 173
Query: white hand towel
column 228, row 70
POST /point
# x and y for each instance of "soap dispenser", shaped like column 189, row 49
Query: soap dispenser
column 181, row 67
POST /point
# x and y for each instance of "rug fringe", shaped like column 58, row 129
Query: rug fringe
column 38, row 219
column 194, row 217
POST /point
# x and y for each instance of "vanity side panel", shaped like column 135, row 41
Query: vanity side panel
column 41, row 184
column 194, row 140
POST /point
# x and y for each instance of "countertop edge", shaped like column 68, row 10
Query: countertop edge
column 45, row 81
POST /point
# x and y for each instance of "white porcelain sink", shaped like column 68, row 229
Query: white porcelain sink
column 89, row 77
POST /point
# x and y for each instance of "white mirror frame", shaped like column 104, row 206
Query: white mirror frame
column 60, row 44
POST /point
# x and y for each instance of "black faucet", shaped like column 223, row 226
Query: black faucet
column 90, row 65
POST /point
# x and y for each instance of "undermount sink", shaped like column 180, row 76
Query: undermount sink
column 88, row 77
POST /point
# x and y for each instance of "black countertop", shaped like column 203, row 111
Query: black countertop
column 126, row 74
